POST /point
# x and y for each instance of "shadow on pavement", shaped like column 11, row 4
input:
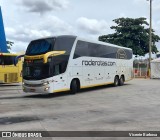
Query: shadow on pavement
column 50, row 95
column 10, row 85
column 56, row 95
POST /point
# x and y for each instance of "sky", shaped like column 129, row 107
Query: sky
column 25, row 20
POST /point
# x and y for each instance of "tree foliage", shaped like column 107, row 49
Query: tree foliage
column 9, row 45
column 132, row 33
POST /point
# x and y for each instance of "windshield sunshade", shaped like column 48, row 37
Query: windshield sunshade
column 40, row 46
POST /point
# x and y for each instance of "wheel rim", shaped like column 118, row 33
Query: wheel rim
column 116, row 81
column 122, row 81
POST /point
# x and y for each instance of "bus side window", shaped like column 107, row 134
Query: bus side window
column 63, row 67
column 56, row 70
column 1, row 60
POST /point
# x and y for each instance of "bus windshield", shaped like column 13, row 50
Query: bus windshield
column 36, row 72
column 41, row 46
column 7, row 60
column 36, row 69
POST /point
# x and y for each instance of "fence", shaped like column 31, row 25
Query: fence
column 141, row 69
column 141, row 72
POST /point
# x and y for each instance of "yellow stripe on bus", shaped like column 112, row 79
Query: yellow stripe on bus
column 96, row 85
column 45, row 56
column 61, row 90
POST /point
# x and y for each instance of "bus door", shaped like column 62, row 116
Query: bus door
column 60, row 78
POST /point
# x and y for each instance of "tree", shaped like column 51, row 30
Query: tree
column 132, row 33
column 9, row 45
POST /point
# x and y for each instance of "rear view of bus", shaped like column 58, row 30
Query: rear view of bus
column 8, row 72
column 45, row 62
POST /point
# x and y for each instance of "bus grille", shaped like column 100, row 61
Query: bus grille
column 11, row 77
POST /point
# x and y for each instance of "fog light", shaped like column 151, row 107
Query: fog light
column 47, row 88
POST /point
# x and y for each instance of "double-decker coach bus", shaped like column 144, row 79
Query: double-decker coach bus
column 69, row 63
column 8, row 72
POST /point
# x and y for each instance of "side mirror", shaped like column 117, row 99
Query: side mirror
column 16, row 59
column 53, row 53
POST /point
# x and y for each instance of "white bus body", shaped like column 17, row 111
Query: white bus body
column 89, row 64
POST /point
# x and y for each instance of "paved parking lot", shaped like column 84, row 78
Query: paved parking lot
column 132, row 107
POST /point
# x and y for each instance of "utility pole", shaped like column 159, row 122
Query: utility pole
column 150, row 38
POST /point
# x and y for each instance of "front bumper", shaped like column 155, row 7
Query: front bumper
column 42, row 89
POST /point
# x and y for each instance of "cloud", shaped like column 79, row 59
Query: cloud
column 140, row 1
column 23, row 34
column 92, row 26
column 122, row 15
column 156, row 5
column 27, row 32
column 54, row 25
column 156, row 26
column 43, row 6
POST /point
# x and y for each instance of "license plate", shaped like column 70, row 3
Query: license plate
column 32, row 90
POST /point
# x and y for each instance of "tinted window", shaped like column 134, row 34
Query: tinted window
column 61, row 62
column 7, row 60
column 36, row 71
column 81, row 49
column 41, row 46
column 98, row 50
column 64, row 43
column 93, row 49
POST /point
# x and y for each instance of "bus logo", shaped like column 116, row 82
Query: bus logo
column 6, row 134
column 121, row 54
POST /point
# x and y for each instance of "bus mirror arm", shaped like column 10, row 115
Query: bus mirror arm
column 16, row 59
column 52, row 53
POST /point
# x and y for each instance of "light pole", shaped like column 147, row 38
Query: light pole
column 150, row 36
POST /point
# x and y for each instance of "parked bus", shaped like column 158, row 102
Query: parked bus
column 69, row 63
column 8, row 72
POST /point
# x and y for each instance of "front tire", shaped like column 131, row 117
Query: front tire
column 73, row 87
column 116, row 81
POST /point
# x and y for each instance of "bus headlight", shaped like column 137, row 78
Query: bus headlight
column 45, row 83
column 47, row 88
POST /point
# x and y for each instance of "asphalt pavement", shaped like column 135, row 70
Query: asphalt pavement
column 132, row 107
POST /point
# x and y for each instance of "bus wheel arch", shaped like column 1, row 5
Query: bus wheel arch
column 121, row 80
column 74, row 86
column 116, row 80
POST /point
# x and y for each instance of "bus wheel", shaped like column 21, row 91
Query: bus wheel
column 116, row 81
column 73, row 87
column 121, row 81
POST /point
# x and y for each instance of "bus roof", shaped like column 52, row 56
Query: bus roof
column 55, row 37
column 87, row 40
